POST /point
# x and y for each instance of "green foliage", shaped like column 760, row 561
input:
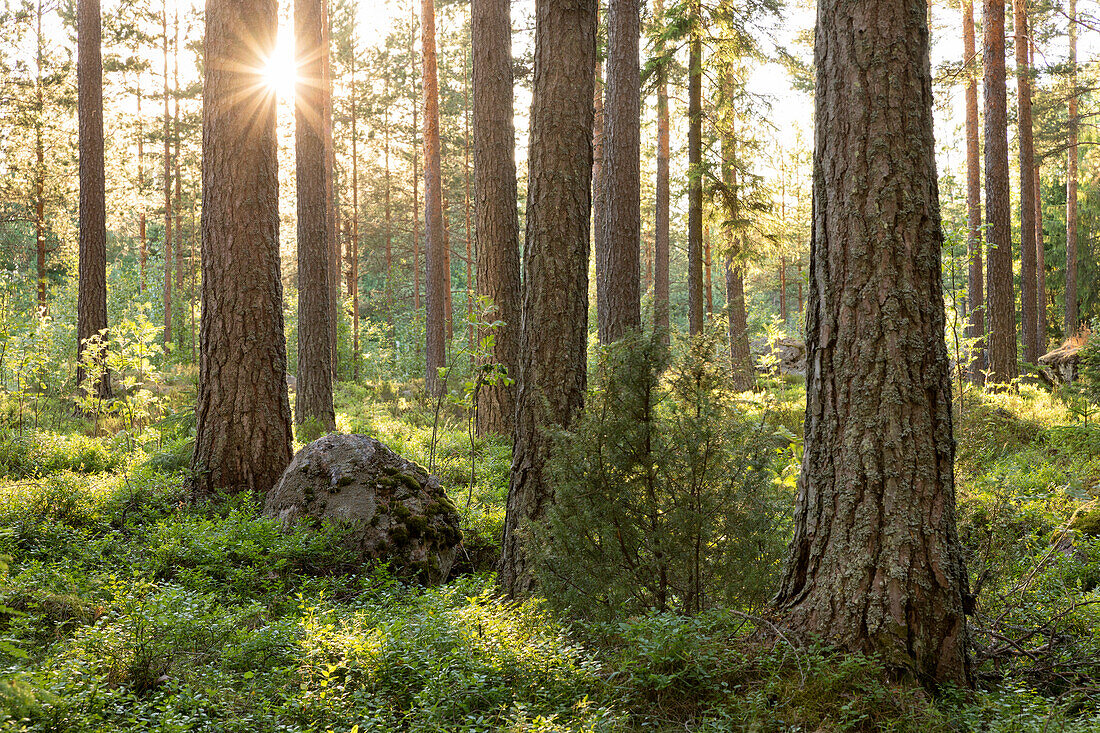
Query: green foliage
column 665, row 494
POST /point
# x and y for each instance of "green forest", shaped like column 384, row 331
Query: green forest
column 549, row 365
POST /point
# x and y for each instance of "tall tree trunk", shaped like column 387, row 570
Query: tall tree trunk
column 167, row 185
column 330, row 187
column 783, row 288
column 243, row 433
column 353, row 249
column 496, row 217
column 91, row 304
column 1071, row 323
column 740, row 358
column 975, row 292
column 1001, row 309
column 695, row 173
column 599, row 125
column 620, row 297
column 388, row 213
column 661, row 245
column 143, row 255
column 313, row 396
column 448, row 304
column 1040, row 267
column 552, row 368
column 416, row 183
column 435, row 255
column 471, row 330
column 1029, row 311
column 708, row 280
column 177, row 206
column 39, row 168
column 191, row 290
column 875, row 564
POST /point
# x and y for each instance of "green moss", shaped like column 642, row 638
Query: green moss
column 1087, row 521
column 401, row 511
column 345, row 481
column 417, row 525
column 399, row 535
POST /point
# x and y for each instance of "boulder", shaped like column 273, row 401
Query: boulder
column 789, row 354
column 1060, row 365
column 391, row 508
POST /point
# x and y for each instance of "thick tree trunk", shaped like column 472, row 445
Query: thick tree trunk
column 243, row 433
column 168, row 242
column 620, row 297
column 552, row 371
column 975, row 291
column 598, row 204
column 1001, row 308
column 495, row 213
column 1071, row 323
column 435, row 255
column 313, row 396
column 330, row 187
column 875, row 564
column 91, row 305
column 1029, row 312
column 695, row 174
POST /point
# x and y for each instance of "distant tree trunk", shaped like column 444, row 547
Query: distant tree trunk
column 975, row 292
column 620, row 306
column 313, row 396
column 661, row 245
column 353, row 248
column 1040, row 267
column 40, row 168
column 495, row 213
column 661, row 248
column 1001, row 307
column 1071, row 323
column 435, row 255
column 91, row 306
column 875, row 564
column 1029, row 311
column 333, row 240
column 708, row 280
column 177, row 207
column 783, row 289
column 740, row 358
column 191, row 290
column 448, row 304
column 552, row 371
column 243, row 433
column 143, row 252
column 167, row 186
column 471, row 334
column 695, row 173
column 416, row 183
column 389, row 215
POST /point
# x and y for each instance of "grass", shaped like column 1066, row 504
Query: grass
column 123, row 607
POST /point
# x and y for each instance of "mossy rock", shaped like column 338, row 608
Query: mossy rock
column 1087, row 520
column 390, row 508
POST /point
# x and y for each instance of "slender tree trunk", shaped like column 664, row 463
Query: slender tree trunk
column 143, row 255
column 353, row 249
column 783, row 288
column 496, row 216
column 167, row 186
column 975, row 291
column 695, row 179
column 313, row 396
column 333, row 240
column 1029, row 315
column 740, row 358
column 243, row 433
column 91, row 319
column 1001, row 307
column 39, row 169
column 191, row 291
column 1040, row 268
column 471, row 330
column 434, row 250
column 1071, row 323
column 875, row 564
column 448, row 304
column 177, row 207
column 388, row 214
column 620, row 296
column 416, row 183
column 552, row 371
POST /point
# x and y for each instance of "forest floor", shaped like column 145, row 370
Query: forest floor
column 124, row 607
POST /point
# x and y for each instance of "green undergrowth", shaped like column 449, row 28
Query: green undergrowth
column 125, row 607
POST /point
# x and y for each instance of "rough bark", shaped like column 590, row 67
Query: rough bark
column 434, row 253
column 1071, row 323
column 875, row 564
column 975, row 290
column 353, row 248
column 1043, row 323
column 552, row 370
column 618, row 250
column 496, row 219
column 695, row 179
column 91, row 318
column 243, row 432
column 313, row 396
column 333, row 241
column 1029, row 315
column 1000, row 297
